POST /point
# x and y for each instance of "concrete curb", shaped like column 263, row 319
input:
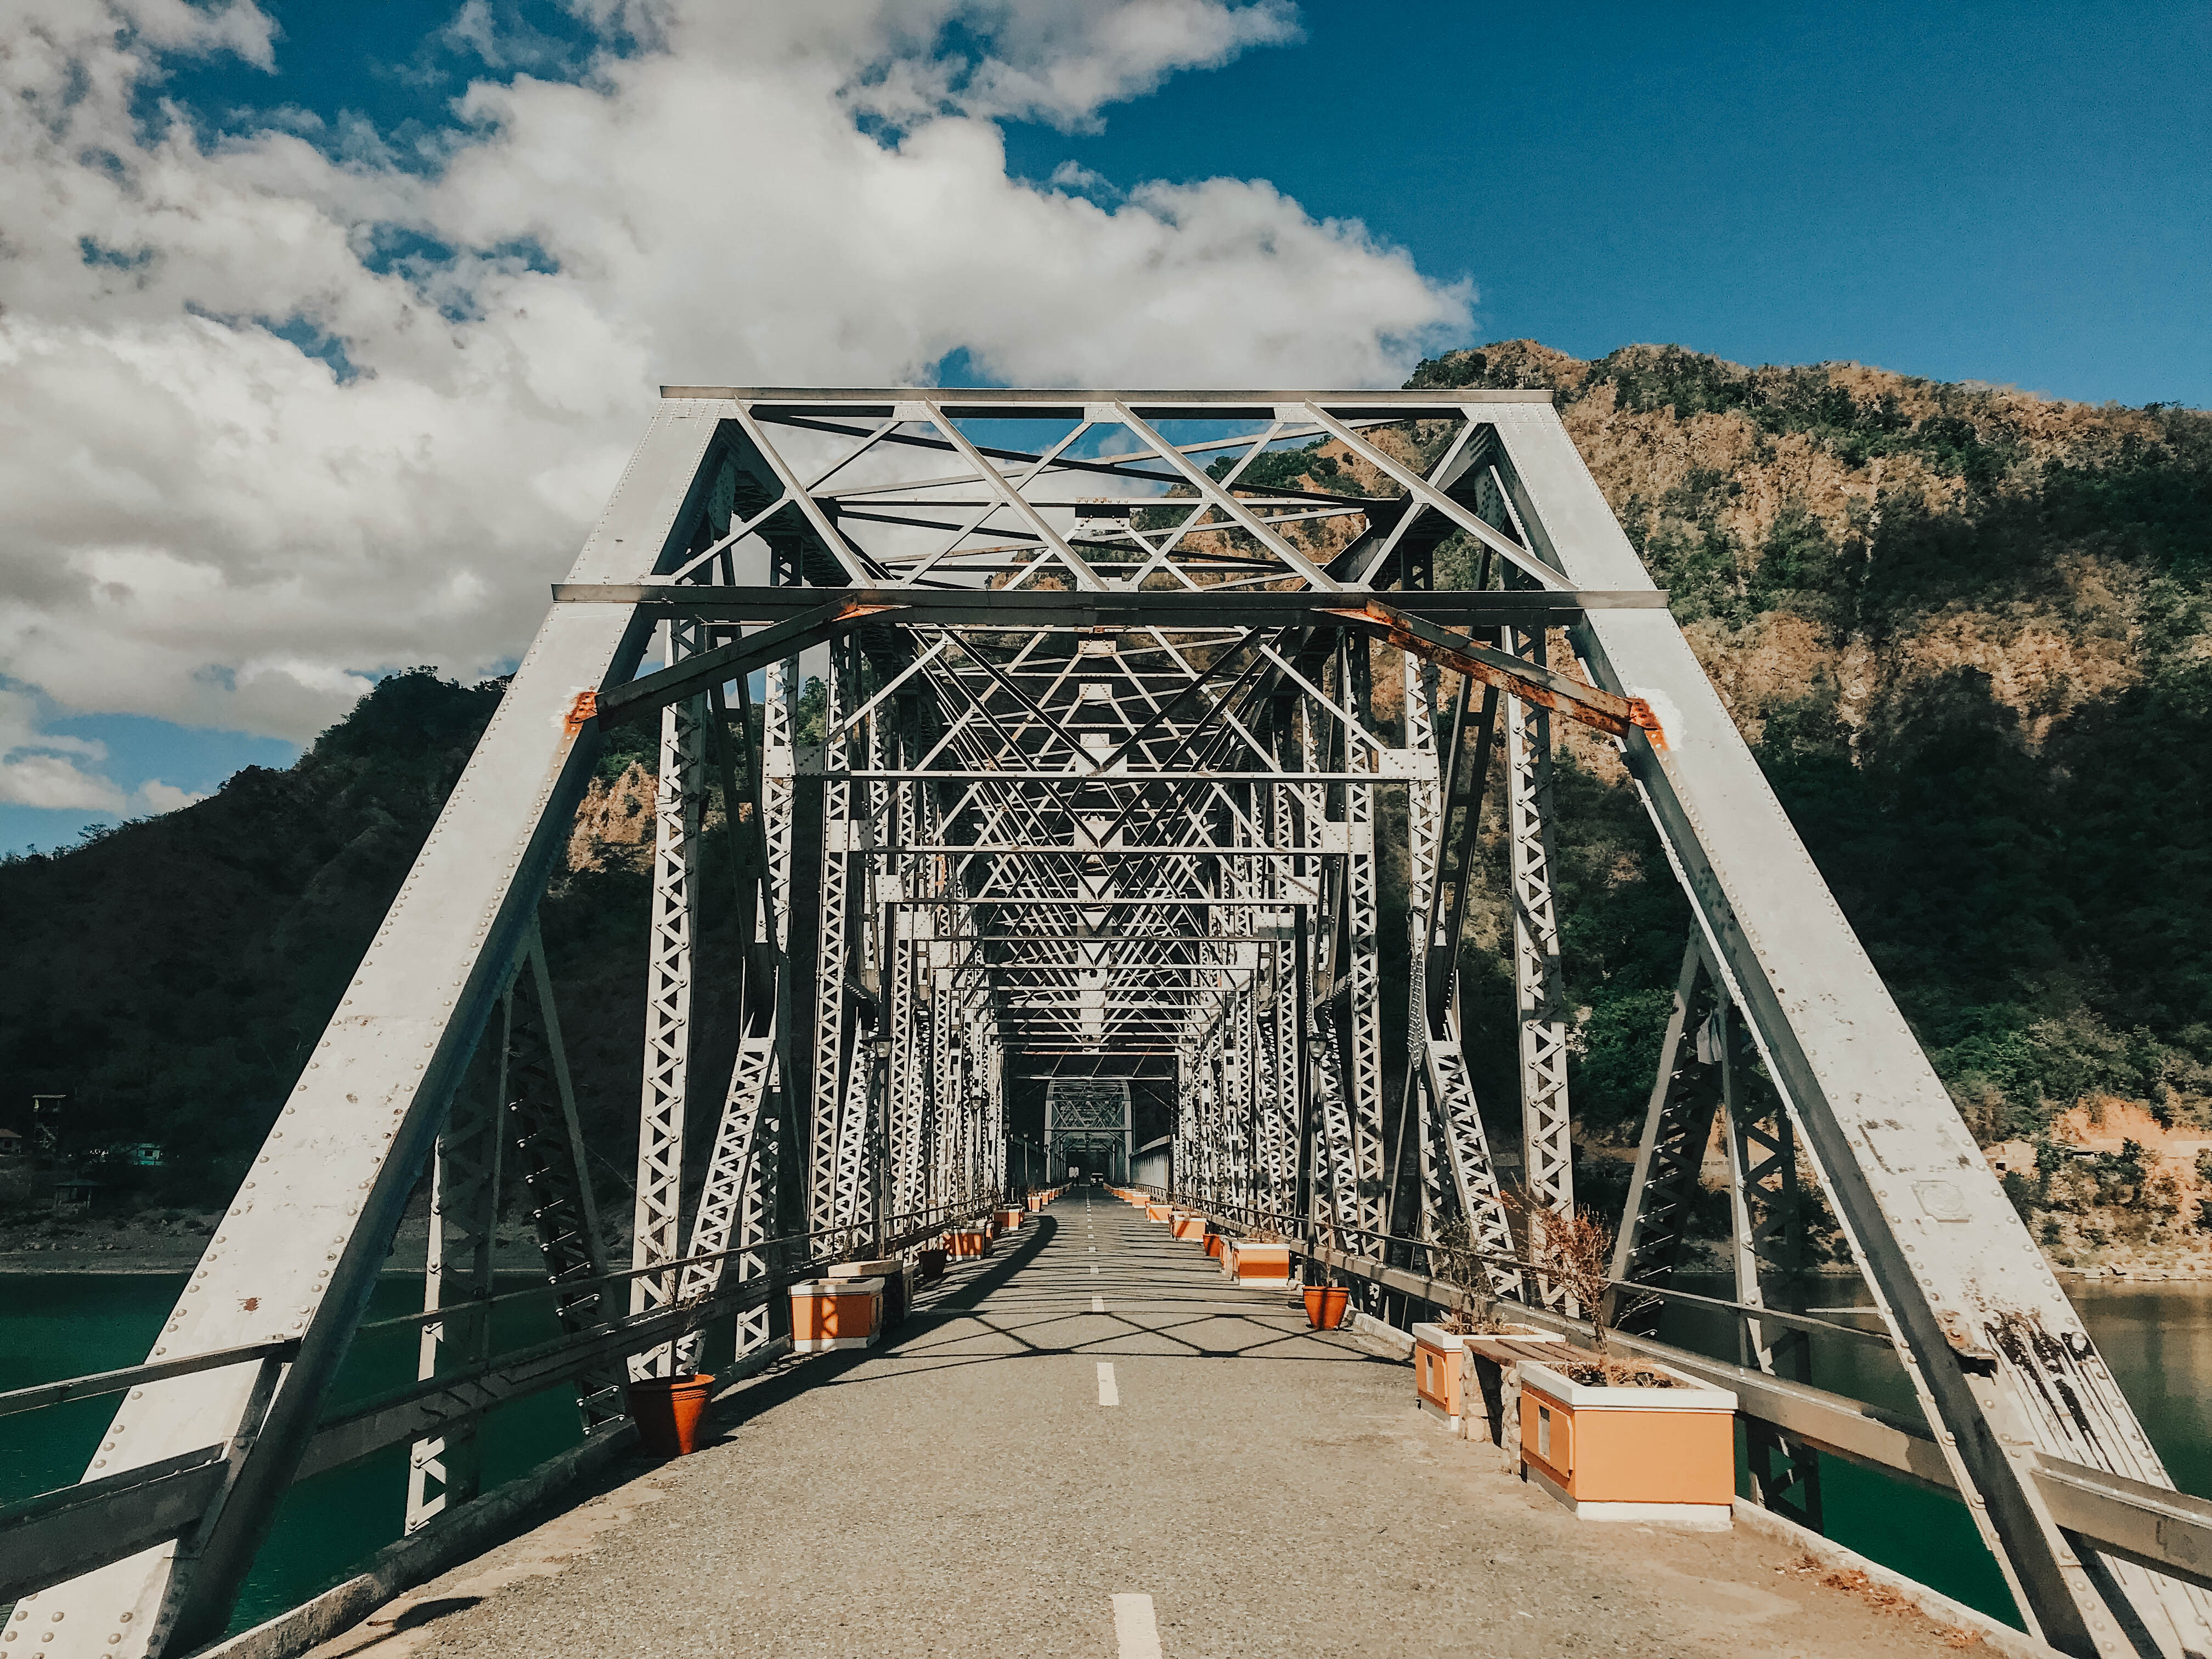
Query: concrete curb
column 1994, row 1632
column 1384, row 1339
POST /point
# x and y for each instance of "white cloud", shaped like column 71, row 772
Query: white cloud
column 159, row 797
column 200, row 521
column 43, row 768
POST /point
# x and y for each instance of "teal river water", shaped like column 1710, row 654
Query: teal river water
column 2157, row 1339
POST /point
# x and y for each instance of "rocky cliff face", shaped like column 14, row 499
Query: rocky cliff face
column 1965, row 629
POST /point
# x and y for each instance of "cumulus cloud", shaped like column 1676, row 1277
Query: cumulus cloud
column 43, row 768
column 249, row 459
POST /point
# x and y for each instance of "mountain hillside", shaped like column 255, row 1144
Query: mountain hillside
column 1965, row 629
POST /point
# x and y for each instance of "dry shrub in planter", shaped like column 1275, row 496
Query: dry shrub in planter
column 1617, row 1440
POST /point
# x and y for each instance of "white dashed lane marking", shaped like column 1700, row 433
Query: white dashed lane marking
column 1135, row 1627
column 1108, row 1393
column 1098, row 1305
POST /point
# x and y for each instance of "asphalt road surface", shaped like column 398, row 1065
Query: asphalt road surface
column 1091, row 1444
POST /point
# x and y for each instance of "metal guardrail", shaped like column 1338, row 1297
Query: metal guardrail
column 59, row 1535
column 103, row 1383
column 2166, row 1531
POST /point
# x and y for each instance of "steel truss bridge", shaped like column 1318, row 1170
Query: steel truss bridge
column 1090, row 795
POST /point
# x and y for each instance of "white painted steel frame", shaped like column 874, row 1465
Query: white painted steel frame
column 298, row 1252
column 1991, row 1342
column 1993, row 1347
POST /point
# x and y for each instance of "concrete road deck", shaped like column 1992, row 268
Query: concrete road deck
column 964, row 1491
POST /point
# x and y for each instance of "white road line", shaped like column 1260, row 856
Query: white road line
column 1098, row 1305
column 1110, row 1395
column 1091, row 1249
column 1094, row 1270
column 1135, row 1627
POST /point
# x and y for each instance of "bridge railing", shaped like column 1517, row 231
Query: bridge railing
column 2154, row 1527
column 54, row 1537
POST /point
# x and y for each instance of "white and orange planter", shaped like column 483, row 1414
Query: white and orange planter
column 1156, row 1212
column 1445, row 1382
column 830, row 1313
column 969, row 1241
column 1256, row 1267
column 1617, row 1453
column 1190, row 1226
column 1010, row 1218
column 1441, row 1368
column 896, row 1276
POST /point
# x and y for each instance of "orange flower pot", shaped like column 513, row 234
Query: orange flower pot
column 1190, row 1226
column 668, row 1412
column 1156, row 1212
column 1325, row 1306
column 970, row 1241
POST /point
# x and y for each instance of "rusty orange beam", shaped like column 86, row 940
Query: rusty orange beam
column 1604, row 711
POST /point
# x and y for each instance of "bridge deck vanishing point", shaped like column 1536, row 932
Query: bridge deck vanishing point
column 964, row 1490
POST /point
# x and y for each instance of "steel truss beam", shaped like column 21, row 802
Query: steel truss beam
column 1095, row 773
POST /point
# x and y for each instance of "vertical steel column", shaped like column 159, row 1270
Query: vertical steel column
column 546, row 1139
column 1424, row 849
column 779, row 803
column 1678, row 1123
column 1548, row 1150
column 657, row 1234
column 1767, row 1244
column 833, row 1019
column 1300, row 881
column 733, row 1201
column 1371, row 1155
column 444, row 1470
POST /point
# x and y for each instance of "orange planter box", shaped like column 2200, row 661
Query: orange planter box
column 1009, row 1220
column 969, row 1241
column 1190, row 1226
column 1440, row 1369
column 1612, row 1454
column 1256, row 1267
column 1213, row 1245
column 1156, row 1212
column 827, row 1314
column 897, row 1275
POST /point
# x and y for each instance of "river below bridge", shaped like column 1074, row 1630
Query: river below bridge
column 2157, row 1337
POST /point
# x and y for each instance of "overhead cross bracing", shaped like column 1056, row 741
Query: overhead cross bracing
column 1046, row 736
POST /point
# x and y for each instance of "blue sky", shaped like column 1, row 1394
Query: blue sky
column 2016, row 194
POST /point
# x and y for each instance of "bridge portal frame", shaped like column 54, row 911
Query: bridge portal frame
column 1999, row 1361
